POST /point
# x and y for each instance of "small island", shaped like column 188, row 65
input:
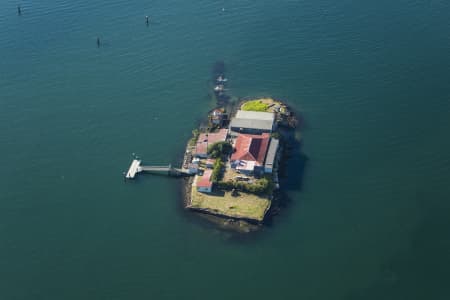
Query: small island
column 236, row 159
column 232, row 163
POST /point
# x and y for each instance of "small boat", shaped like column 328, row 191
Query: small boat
column 221, row 79
column 219, row 88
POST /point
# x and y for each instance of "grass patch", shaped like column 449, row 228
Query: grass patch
column 255, row 105
column 221, row 202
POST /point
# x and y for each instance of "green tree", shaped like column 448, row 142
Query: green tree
column 216, row 175
column 220, row 148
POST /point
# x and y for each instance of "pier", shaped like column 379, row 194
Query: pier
column 136, row 168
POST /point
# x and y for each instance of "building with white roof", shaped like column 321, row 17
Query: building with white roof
column 252, row 122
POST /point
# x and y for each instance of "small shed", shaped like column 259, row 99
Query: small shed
column 210, row 163
column 246, row 167
column 204, row 183
column 271, row 155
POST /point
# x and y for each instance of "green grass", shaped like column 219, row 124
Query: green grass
column 255, row 105
column 221, row 202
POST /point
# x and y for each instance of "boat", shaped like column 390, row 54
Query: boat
column 221, row 79
column 219, row 88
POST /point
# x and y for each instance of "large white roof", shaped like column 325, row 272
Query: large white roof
column 255, row 115
column 251, row 123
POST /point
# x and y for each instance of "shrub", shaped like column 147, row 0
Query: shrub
column 220, row 148
column 195, row 135
column 255, row 105
column 217, row 171
column 275, row 135
column 225, row 185
column 263, row 185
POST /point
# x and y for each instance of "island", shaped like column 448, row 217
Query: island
column 235, row 159
column 232, row 163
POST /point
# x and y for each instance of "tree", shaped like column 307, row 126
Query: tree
column 220, row 148
column 217, row 171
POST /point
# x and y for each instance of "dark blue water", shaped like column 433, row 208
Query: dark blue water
column 368, row 218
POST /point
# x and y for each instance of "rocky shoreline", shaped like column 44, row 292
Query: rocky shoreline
column 223, row 222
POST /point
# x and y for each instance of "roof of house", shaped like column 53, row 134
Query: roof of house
column 205, row 180
column 253, row 120
column 246, row 165
column 271, row 153
column 217, row 112
column 251, row 147
column 206, row 139
column 252, row 124
column 255, row 115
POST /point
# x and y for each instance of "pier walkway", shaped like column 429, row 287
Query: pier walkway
column 136, row 168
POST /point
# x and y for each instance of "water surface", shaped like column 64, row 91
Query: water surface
column 369, row 220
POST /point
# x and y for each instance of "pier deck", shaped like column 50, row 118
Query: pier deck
column 134, row 169
column 156, row 168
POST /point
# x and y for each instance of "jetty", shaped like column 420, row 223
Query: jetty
column 137, row 167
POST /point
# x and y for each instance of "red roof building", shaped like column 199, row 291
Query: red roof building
column 251, row 148
column 207, row 139
column 204, row 183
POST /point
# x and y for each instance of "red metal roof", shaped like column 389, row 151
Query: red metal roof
column 251, row 147
column 206, row 140
column 205, row 180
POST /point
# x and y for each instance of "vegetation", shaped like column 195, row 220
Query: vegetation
column 255, row 105
column 219, row 149
column 246, row 206
column 195, row 135
column 217, row 171
column 275, row 135
column 261, row 186
column 213, row 127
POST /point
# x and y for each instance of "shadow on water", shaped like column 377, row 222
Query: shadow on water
column 291, row 172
